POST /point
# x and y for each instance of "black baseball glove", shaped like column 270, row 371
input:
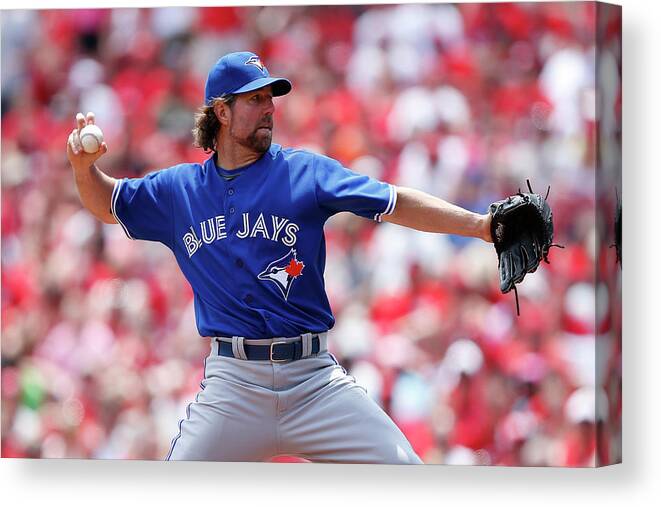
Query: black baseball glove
column 522, row 233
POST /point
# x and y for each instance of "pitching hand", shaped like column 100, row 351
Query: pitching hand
column 77, row 157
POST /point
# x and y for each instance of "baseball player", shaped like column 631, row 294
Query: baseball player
column 246, row 228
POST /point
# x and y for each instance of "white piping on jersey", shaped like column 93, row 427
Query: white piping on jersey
column 392, row 201
column 113, row 201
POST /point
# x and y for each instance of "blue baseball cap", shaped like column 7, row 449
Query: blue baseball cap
column 239, row 73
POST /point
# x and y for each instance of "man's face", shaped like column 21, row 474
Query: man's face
column 251, row 119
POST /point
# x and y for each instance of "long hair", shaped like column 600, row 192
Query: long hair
column 207, row 125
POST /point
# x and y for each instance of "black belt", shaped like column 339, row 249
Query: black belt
column 276, row 352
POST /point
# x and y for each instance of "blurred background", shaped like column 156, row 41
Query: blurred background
column 100, row 354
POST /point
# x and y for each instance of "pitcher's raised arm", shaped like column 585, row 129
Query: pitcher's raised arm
column 94, row 187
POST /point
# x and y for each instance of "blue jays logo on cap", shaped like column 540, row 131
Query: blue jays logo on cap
column 254, row 60
column 283, row 272
column 239, row 73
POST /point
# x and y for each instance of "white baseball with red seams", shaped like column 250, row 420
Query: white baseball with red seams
column 91, row 138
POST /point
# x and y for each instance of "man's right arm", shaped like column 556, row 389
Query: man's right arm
column 94, row 187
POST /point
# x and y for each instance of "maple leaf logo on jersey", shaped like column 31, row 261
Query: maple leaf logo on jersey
column 254, row 60
column 283, row 272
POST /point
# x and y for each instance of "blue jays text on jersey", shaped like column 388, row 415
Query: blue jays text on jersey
column 250, row 241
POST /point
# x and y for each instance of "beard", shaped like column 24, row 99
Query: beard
column 259, row 140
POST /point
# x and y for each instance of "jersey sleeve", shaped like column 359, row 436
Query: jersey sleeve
column 340, row 189
column 143, row 206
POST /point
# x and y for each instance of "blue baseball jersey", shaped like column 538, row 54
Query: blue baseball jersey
column 250, row 241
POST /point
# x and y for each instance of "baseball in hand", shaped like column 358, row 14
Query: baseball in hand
column 91, row 138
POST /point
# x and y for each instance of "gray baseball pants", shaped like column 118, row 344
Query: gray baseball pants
column 310, row 408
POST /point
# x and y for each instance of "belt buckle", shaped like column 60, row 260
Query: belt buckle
column 271, row 352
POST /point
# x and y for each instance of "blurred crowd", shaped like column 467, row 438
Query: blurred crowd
column 100, row 353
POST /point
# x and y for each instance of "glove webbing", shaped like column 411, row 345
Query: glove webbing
column 544, row 254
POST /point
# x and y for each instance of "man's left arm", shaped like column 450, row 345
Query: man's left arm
column 423, row 212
